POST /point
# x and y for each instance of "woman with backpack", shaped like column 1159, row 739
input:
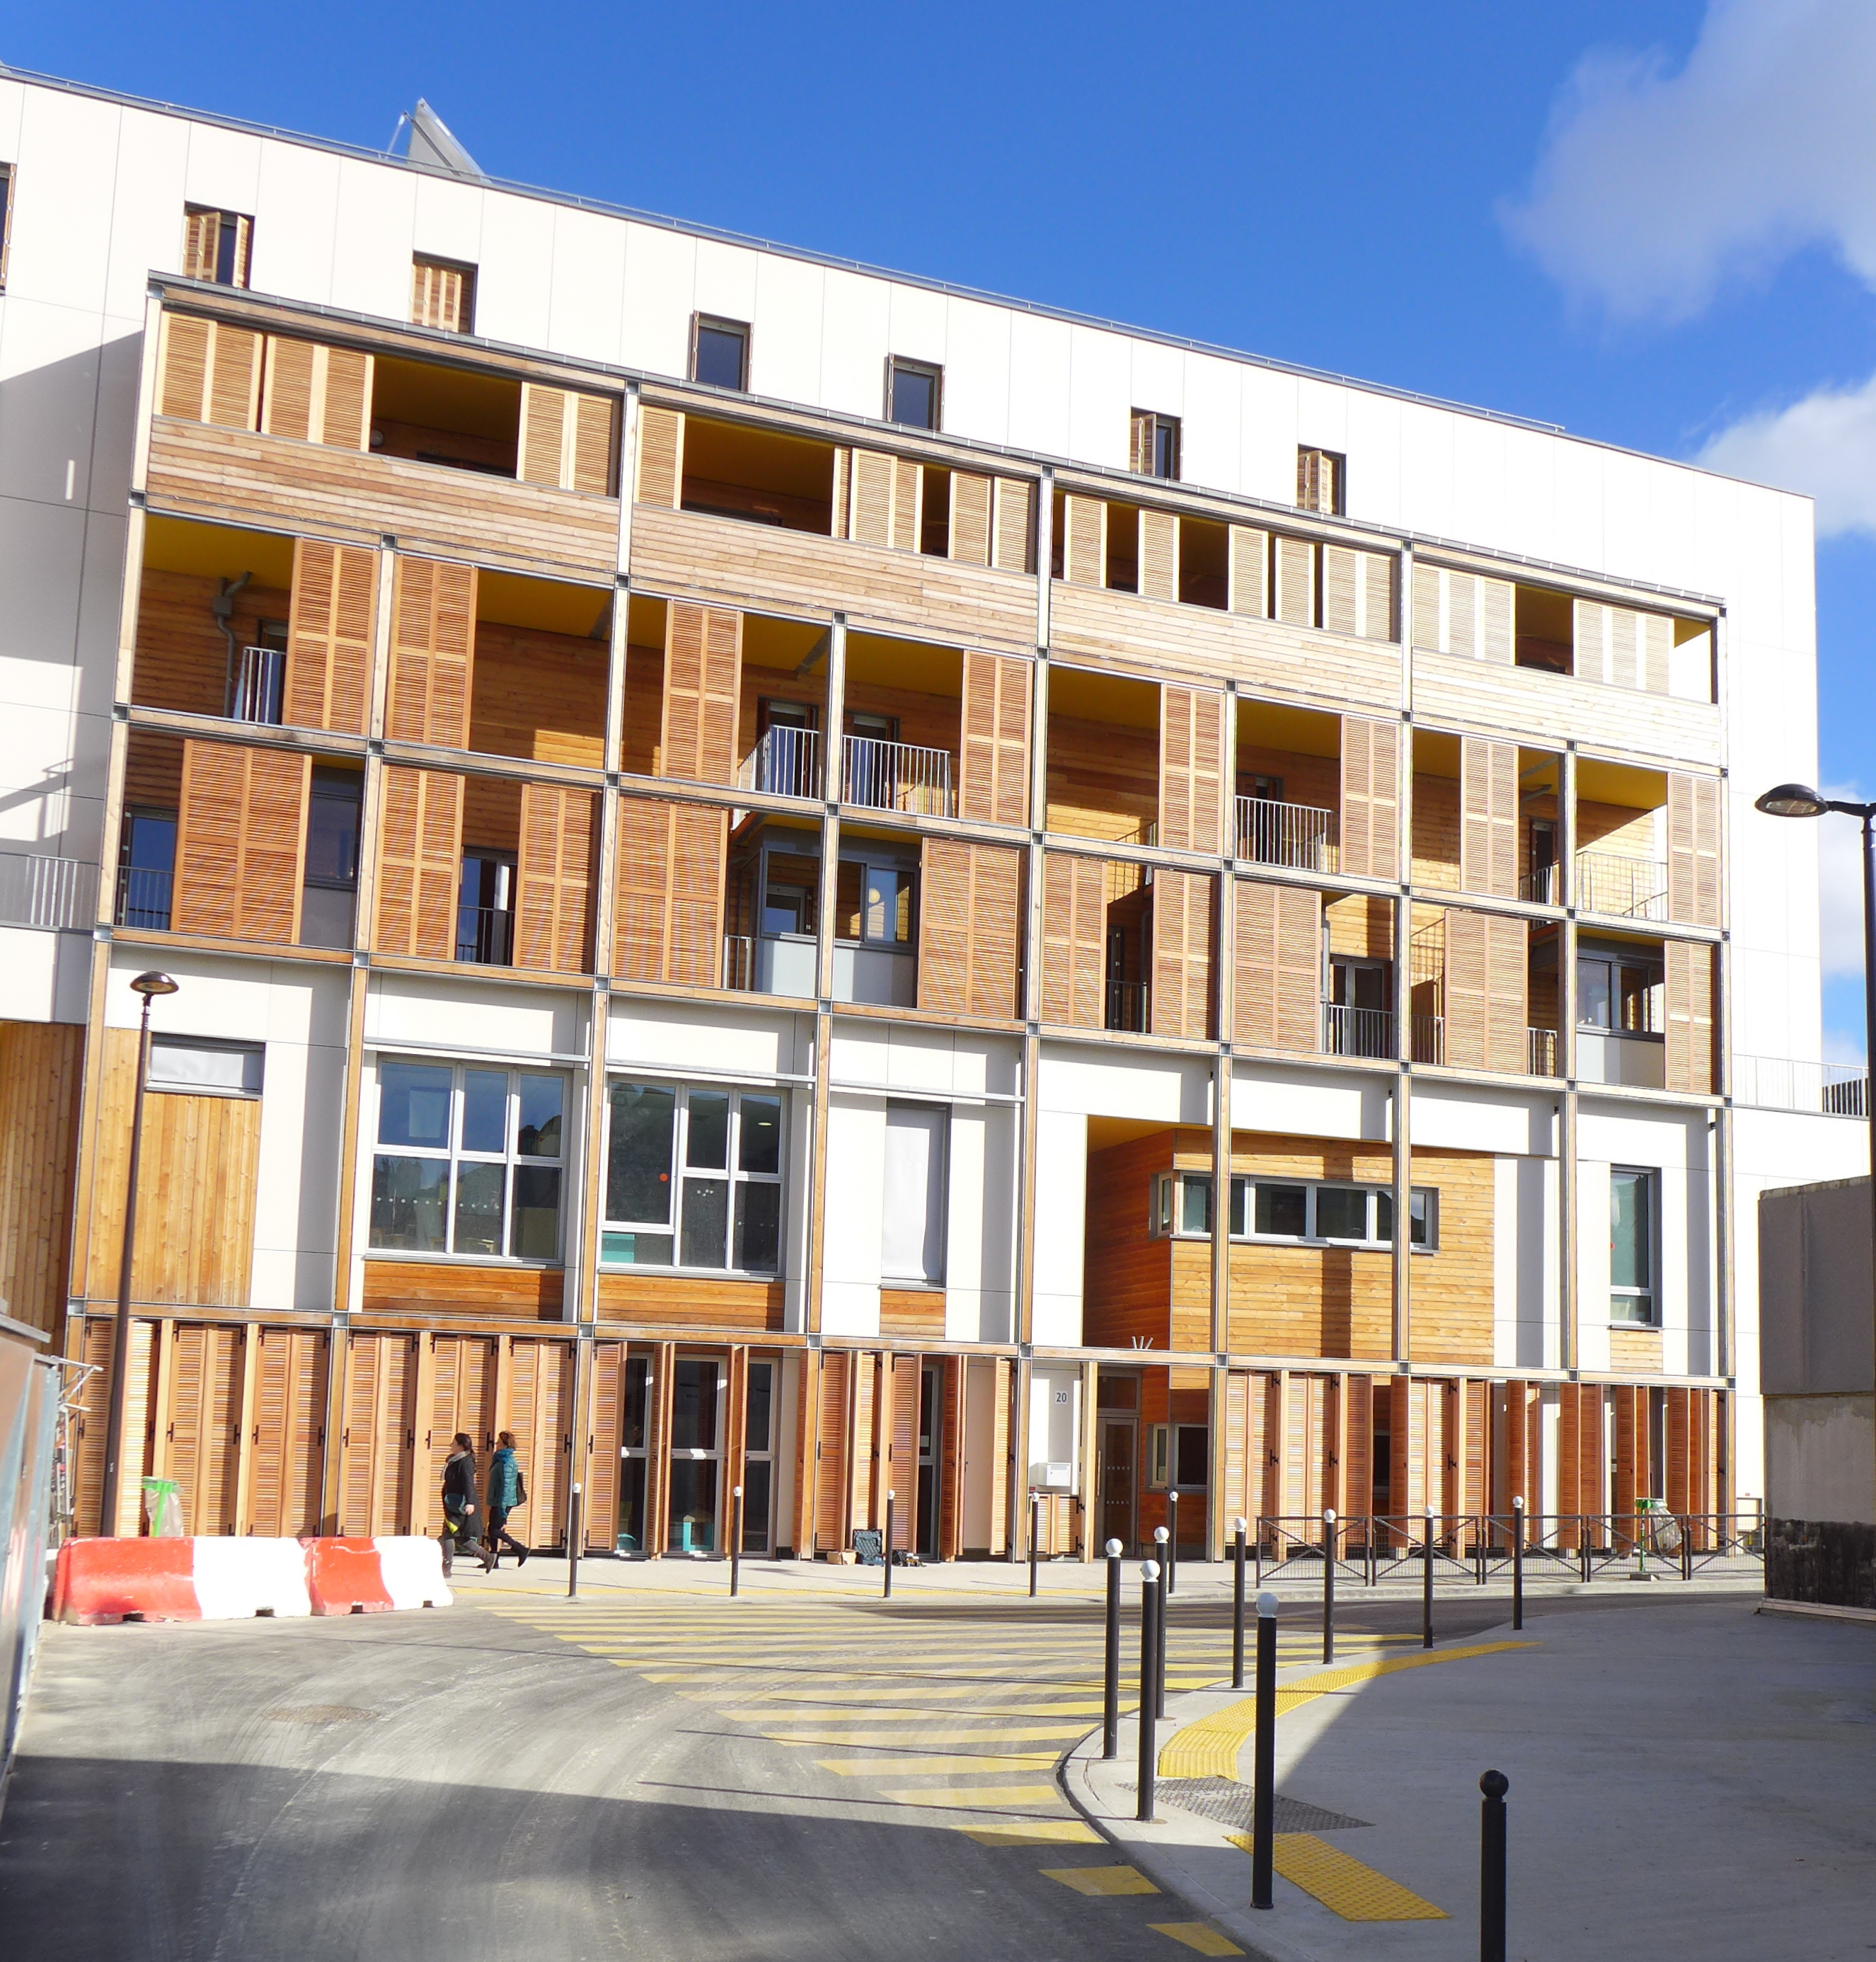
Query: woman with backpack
column 508, row 1489
column 459, row 1501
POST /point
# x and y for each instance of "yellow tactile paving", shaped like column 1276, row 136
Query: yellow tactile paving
column 1035, row 1832
column 1102, row 1880
column 1200, row 1936
column 982, row 1798
column 1208, row 1746
column 1341, row 1883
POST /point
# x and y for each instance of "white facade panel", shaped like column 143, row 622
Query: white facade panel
column 514, row 281
column 856, row 338
column 296, row 223
column 222, row 168
column 376, row 219
column 725, row 279
column 1471, row 1119
column 446, row 220
column 586, row 304
column 660, row 279
column 977, row 371
column 857, row 1153
column 679, row 1036
column 425, row 1014
column 785, row 349
column 1061, row 1195
column 1325, row 1104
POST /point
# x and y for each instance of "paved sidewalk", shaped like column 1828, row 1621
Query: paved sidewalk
column 1690, row 1779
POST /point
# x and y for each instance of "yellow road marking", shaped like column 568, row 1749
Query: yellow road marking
column 1197, row 1934
column 1208, row 1746
column 1028, row 1734
column 893, row 1764
column 983, row 1798
column 1340, row 1882
column 1102, row 1880
column 1038, row 1832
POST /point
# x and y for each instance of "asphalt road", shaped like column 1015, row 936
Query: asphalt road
column 659, row 1774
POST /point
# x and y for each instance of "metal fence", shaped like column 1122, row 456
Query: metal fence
column 1296, row 834
column 260, row 686
column 1540, row 1052
column 1621, row 888
column 486, row 934
column 46, row 891
column 1779, row 1083
column 895, row 776
column 785, row 763
column 1347, row 1031
column 1127, row 1006
column 739, row 961
column 143, row 898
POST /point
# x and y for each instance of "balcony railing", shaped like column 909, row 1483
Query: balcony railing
column 486, row 934
column 47, row 892
column 260, row 686
column 1540, row 886
column 1540, row 1052
column 739, row 961
column 895, row 776
column 1347, row 1031
column 1428, row 1036
column 143, row 898
column 1295, row 834
column 1621, row 888
column 1127, row 1006
column 785, row 763
column 1778, row 1083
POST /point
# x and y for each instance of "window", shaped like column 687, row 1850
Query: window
column 758, row 1462
column 146, row 869
column 216, row 245
column 1622, row 991
column 443, row 295
column 912, row 1218
column 1632, row 1210
column 204, row 1067
column 1325, row 1213
column 1178, row 1454
column 694, row 1178
column 332, row 857
column 873, row 904
column 485, row 909
column 6, row 217
column 469, row 1161
column 1322, row 482
column 913, row 389
column 1156, row 445
column 720, row 352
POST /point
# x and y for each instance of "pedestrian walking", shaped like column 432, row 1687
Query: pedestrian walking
column 459, row 1501
column 508, row 1490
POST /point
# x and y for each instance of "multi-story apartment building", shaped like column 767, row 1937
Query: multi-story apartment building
column 785, row 877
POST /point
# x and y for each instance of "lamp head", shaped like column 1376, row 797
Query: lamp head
column 1791, row 801
column 153, row 983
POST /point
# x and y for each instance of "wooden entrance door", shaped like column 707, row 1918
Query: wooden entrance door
column 1118, row 1436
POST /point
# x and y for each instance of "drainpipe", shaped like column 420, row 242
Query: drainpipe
column 222, row 607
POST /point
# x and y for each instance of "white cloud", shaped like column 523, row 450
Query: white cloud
column 1840, row 887
column 1656, row 187
column 1824, row 445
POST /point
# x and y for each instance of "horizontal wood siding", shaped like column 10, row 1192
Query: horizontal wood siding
column 532, row 1294
column 41, row 1078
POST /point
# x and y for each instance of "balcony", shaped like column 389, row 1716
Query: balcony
column 1632, row 1057
column 1779, row 1083
column 1621, row 888
column 1127, row 1007
column 1352, row 1031
column 785, row 763
column 1540, row 1052
column 896, row 776
column 47, row 892
column 1298, row 835
column 487, row 935
column 143, row 898
column 260, row 686
column 1541, row 886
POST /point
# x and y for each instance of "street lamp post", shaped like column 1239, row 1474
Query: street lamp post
column 149, row 986
column 1800, row 800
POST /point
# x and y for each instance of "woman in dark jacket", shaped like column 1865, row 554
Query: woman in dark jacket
column 505, row 1492
column 459, row 1501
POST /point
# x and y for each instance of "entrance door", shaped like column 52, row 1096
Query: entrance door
column 695, row 1455
column 1117, row 1481
column 930, row 1403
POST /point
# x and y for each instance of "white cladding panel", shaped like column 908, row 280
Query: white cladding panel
column 1061, row 1198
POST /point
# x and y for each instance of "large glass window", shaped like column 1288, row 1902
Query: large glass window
column 694, row 1178
column 1624, row 994
column 469, row 1161
column 1632, row 1210
column 720, row 352
column 1324, row 1212
column 912, row 393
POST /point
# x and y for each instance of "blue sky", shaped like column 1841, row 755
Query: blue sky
column 1653, row 223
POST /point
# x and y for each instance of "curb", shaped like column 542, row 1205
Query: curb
column 1817, row 1611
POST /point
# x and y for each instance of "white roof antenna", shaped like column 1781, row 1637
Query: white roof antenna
column 431, row 143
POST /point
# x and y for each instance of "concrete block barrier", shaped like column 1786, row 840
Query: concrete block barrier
column 99, row 1581
column 369, row 1577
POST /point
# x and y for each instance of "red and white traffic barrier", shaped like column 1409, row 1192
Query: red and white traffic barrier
column 98, row 1581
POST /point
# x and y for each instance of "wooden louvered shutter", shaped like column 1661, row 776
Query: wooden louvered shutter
column 1377, row 574
column 1084, row 540
column 830, row 1470
column 420, row 865
column 904, row 1472
column 314, row 393
column 1657, row 644
column 1486, row 962
column 668, row 922
column 201, row 239
column 329, row 635
column 870, row 512
column 908, row 504
column 1181, row 954
column 1689, row 1060
column 1592, row 641
column 1277, row 1002
column 439, row 296
column 660, row 474
column 1487, row 846
column 1429, row 589
column 1497, row 610
column 1294, row 565
column 703, row 679
column 1693, row 849
column 566, row 439
column 554, row 905
column 1074, row 941
column 968, row 924
column 286, row 407
column 1370, row 798
column 969, row 541
column 993, row 786
column 1623, row 623
column 182, row 388
column 1191, row 738
column 1015, row 525
column 289, row 1435
column 843, row 482
column 1159, row 555
column 1341, row 590
column 211, row 372
column 1140, row 452
column 543, row 431
column 1248, row 574
column 433, row 651
column 240, row 842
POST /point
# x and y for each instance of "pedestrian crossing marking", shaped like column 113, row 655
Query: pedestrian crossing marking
column 1198, row 1935
column 898, row 1765
column 1345, row 1886
column 1101, row 1880
column 983, row 1798
column 847, row 1739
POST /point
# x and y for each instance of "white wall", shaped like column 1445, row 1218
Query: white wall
column 1055, row 1424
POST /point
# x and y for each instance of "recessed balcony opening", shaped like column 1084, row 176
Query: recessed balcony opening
column 1289, row 787
column 1622, row 1009
column 1205, row 550
column 1357, row 977
column 491, row 848
column 758, row 476
column 213, row 608
column 1622, row 841
column 901, row 728
column 1485, row 817
column 781, row 713
column 146, row 848
column 431, row 413
column 1103, row 756
column 542, row 649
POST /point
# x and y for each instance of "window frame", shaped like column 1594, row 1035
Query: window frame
column 899, row 364
column 510, row 1158
column 9, row 187
column 681, row 1172
column 1648, row 1179
column 701, row 323
column 1338, row 503
column 169, row 1087
column 937, row 1201
column 1155, row 425
column 1167, row 1204
column 466, row 323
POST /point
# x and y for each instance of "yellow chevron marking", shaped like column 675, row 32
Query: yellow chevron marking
column 1036, row 1832
column 1102, row 1880
column 895, row 1764
column 1034, row 1733
column 983, row 1798
column 1199, row 1935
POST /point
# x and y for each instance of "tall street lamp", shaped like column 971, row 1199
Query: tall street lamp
column 149, row 986
column 1800, row 800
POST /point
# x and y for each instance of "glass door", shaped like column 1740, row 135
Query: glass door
column 758, row 1461
column 930, row 1406
column 695, row 1456
column 636, row 1392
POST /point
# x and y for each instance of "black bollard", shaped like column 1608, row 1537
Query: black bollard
column 1111, row 1696
column 1160, row 1542
column 1491, row 1864
column 1237, row 1605
column 573, row 1548
column 1149, row 1677
column 888, row 1593
column 1426, row 1587
column 1517, row 1562
column 1172, row 1543
column 1686, row 1549
column 1329, row 1585
column 1264, row 1794
column 735, row 1542
column 1583, row 1546
column 1035, row 1511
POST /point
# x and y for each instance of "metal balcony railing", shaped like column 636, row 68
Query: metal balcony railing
column 785, row 763
column 1779, row 1083
column 895, row 776
column 1347, row 1031
column 486, row 934
column 260, row 686
column 1127, row 1006
column 739, row 961
column 1428, row 1036
column 1541, row 886
column 1295, row 834
column 1621, row 888
column 1540, row 1052
column 46, row 891
column 143, row 898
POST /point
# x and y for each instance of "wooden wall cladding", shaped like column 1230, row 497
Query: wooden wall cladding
column 195, row 1189
column 241, row 842
column 539, row 695
column 1103, row 779
column 690, row 1301
column 969, row 907
column 444, row 1288
column 918, row 1313
column 182, row 660
column 1127, row 1274
column 41, row 1080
